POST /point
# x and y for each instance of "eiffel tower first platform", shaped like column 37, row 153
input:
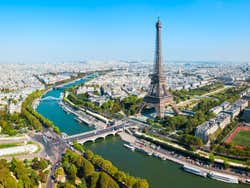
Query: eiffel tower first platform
column 158, row 96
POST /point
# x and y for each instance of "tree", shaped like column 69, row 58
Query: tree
column 89, row 154
column 69, row 185
column 59, row 174
column 72, row 172
column 78, row 146
column 85, row 167
column 43, row 177
column 94, row 179
column 5, row 177
column 121, row 176
column 141, row 183
column 191, row 141
column 248, row 162
column 105, row 181
column 39, row 164
column 226, row 164
column 211, row 157
column 83, row 184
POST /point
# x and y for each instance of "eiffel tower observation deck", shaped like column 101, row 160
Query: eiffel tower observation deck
column 158, row 95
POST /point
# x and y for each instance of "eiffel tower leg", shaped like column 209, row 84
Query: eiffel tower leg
column 174, row 107
column 160, row 109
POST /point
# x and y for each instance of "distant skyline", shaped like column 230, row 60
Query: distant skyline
column 36, row 31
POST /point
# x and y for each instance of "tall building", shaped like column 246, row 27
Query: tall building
column 158, row 95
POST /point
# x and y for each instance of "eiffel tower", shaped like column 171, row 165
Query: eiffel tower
column 158, row 96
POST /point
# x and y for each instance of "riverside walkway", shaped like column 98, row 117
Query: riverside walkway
column 149, row 149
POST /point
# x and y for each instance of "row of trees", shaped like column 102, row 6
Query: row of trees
column 34, row 118
column 82, row 173
column 27, row 112
column 230, row 150
column 191, row 141
column 120, row 176
column 95, row 172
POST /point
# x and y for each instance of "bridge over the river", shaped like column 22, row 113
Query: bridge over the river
column 95, row 134
column 49, row 98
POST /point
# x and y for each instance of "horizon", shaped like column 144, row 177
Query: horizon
column 73, row 31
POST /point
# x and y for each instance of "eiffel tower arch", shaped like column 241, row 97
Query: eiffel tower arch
column 158, row 96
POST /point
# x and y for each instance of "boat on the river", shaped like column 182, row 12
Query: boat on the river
column 132, row 148
column 223, row 177
column 194, row 170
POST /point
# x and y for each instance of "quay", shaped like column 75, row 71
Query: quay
column 83, row 117
column 156, row 151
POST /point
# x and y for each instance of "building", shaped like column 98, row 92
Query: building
column 207, row 130
column 216, row 109
column 225, row 105
column 225, row 112
column 235, row 109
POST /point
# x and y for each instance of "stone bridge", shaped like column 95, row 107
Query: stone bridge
column 96, row 134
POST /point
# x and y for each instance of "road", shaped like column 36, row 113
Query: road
column 54, row 147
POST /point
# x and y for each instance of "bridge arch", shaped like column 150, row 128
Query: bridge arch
column 100, row 138
column 86, row 141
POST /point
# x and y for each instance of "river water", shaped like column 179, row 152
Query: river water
column 160, row 174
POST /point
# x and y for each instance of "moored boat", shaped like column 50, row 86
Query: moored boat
column 223, row 177
column 194, row 170
column 129, row 147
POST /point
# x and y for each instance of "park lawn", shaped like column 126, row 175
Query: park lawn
column 242, row 138
column 8, row 145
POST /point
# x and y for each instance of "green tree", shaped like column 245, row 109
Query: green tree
column 105, row 181
column 211, row 157
column 248, row 162
column 141, row 183
column 226, row 164
column 59, row 173
column 5, row 177
column 72, row 172
column 94, row 179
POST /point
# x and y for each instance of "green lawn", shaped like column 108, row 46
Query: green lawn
column 8, row 145
column 242, row 138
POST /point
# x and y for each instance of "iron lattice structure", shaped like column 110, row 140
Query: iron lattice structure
column 158, row 96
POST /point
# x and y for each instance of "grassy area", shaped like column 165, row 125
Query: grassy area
column 183, row 94
column 8, row 145
column 242, row 138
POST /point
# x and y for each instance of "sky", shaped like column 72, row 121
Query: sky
column 35, row 31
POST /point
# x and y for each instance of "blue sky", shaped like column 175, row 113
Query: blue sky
column 72, row 30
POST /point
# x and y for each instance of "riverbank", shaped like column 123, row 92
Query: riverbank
column 82, row 116
column 153, row 150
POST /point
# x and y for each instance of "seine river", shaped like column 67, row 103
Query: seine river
column 160, row 174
